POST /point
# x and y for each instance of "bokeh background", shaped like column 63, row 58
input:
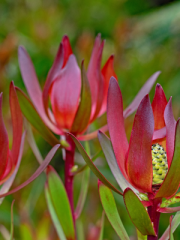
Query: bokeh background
column 144, row 36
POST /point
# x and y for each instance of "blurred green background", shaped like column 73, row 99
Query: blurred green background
column 144, row 35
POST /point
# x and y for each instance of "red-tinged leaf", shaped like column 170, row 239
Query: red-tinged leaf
column 174, row 224
column 12, row 222
column 92, row 166
column 168, row 209
column 112, row 162
column 107, row 72
column 8, row 182
column 116, row 124
column 83, row 113
column 101, row 227
column 31, row 82
column 17, row 123
column 67, row 49
column 170, row 231
column 32, row 116
column 171, row 182
column 52, row 74
column 95, row 77
column 83, row 193
column 143, row 91
column 158, row 106
column 170, row 131
column 4, row 143
column 111, row 211
column 138, row 213
column 60, row 203
column 139, row 160
column 37, row 172
column 65, row 93
column 92, row 135
column 53, row 214
column 96, row 232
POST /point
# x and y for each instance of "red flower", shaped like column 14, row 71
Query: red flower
column 9, row 159
column 76, row 99
column 153, row 123
column 63, row 87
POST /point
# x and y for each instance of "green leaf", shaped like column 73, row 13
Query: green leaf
column 102, row 227
column 54, row 217
column 140, row 236
column 33, row 117
column 26, row 232
column 138, row 213
column 170, row 231
column 83, row 114
column 98, row 154
column 12, row 221
column 174, row 224
column 83, row 192
column 60, row 203
column 111, row 211
column 92, row 166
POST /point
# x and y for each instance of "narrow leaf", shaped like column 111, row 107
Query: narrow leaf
column 60, row 203
column 33, row 117
column 54, row 217
column 98, row 154
column 111, row 159
column 174, row 224
column 170, row 231
column 83, row 193
column 138, row 213
column 102, row 227
column 7, row 184
column 111, row 211
column 37, row 172
column 92, row 166
column 12, row 221
column 143, row 91
column 83, row 114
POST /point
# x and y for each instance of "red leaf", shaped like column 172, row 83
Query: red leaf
column 158, row 106
column 67, row 49
column 170, row 131
column 107, row 72
column 116, row 124
column 95, row 77
column 65, row 93
column 139, row 160
column 17, row 123
column 52, row 74
column 37, row 172
column 4, row 143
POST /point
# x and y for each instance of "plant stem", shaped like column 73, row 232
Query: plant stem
column 69, row 163
column 155, row 216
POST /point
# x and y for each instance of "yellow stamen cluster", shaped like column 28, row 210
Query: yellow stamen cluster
column 159, row 162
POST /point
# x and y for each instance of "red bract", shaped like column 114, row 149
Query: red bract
column 77, row 98
column 63, row 87
column 9, row 158
column 153, row 123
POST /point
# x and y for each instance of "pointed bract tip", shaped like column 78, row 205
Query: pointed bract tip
column 49, row 169
column 99, row 183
